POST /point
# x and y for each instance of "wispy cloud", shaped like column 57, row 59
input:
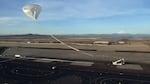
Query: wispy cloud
column 121, row 32
column 67, row 15
column 85, row 9
column 11, row 20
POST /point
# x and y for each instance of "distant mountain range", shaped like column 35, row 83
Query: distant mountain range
column 136, row 36
column 24, row 36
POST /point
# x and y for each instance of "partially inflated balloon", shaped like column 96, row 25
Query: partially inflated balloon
column 32, row 10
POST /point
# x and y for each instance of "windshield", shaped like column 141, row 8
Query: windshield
column 115, row 32
column 97, row 28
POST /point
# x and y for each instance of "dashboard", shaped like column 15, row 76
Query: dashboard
column 57, row 71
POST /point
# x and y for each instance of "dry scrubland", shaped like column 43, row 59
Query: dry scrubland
column 101, row 52
column 81, row 43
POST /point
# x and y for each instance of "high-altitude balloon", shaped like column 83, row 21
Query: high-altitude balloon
column 32, row 10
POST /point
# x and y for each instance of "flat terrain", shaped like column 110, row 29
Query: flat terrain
column 45, row 60
column 134, row 51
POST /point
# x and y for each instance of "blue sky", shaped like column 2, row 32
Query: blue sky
column 77, row 17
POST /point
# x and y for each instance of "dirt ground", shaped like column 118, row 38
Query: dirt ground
column 98, row 52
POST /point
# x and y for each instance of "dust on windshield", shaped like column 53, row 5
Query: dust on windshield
column 94, row 30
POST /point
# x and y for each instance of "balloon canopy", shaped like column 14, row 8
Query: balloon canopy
column 32, row 10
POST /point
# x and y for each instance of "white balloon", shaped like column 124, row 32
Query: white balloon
column 32, row 10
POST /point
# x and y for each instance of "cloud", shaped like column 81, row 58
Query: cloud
column 11, row 20
column 121, row 32
column 87, row 9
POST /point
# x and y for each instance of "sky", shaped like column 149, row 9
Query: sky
column 76, row 17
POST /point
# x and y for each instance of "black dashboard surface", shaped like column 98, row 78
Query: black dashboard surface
column 55, row 71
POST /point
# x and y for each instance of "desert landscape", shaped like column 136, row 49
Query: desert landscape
column 99, row 49
column 82, row 60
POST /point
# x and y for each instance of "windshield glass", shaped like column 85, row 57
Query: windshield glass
column 74, row 41
column 97, row 30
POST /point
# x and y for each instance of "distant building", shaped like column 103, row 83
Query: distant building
column 121, row 42
column 102, row 42
column 28, row 42
column 118, row 42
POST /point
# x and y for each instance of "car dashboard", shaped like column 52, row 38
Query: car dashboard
column 32, row 70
